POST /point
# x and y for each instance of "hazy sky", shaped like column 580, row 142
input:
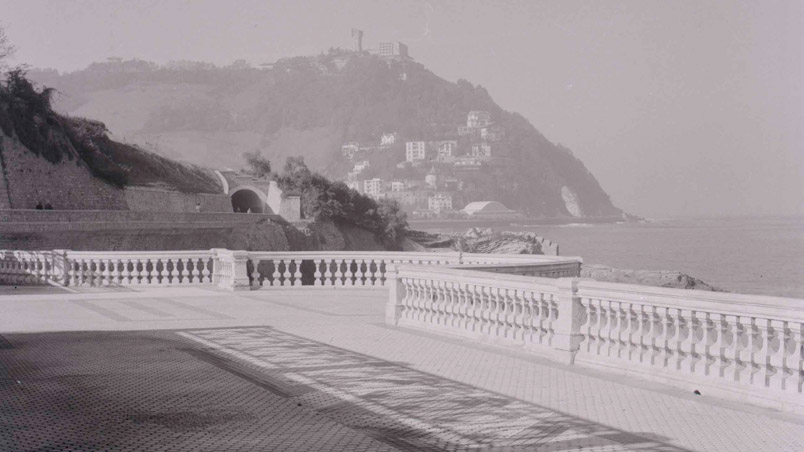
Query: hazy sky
column 678, row 107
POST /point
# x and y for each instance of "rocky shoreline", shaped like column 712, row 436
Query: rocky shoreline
column 487, row 240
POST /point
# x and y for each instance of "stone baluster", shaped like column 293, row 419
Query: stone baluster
column 175, row 273
column 164, row 274
column 776, row 366
column 185, row 271
column 207, row 266
column 151, row 275
column 794, row 349
column 360, row 276
column 276, row 276
column 317, row 275
column 193, row 270
column 286, row 274
column 698, row 346
column 338, row 272
column 256, row 280
column 328, row 272
column 297, row 273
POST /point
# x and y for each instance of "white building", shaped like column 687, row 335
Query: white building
column 354, row 185
column 387, row 139
column 490, row 134
column 392, row 49
column 350, row 149
column 440, row 201
column 447, row 148
column 481, row 150
column 415, row 151
column 477, row 119
column 361, row 166
column 467, row 163
column 373, row 187
column 398, row 185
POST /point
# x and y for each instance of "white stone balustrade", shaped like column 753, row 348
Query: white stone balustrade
column 744, row 346
column 240, row 270
column 367, row 269
column 738, row 346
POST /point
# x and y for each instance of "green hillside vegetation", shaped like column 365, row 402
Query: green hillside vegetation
column 26, row 113
column 322, row 199
column 309, row 106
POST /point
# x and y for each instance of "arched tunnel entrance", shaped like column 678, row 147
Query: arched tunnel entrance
column 245, row 200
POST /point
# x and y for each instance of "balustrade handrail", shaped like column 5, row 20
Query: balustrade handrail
column 697, row 300
column 467, row 275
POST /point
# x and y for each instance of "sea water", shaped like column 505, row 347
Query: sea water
column 747, row 255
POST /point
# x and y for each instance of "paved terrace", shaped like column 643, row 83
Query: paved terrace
column 312, row 369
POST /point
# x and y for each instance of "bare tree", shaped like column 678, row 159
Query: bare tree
column 6, row 49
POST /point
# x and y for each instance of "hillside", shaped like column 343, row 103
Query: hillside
column 312, row 106
column 26, row 117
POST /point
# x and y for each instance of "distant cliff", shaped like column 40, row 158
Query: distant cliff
column 311, row 106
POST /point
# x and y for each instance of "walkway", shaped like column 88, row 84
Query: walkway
column 312, row 369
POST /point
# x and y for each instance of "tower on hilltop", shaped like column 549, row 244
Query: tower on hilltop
column 357, row 38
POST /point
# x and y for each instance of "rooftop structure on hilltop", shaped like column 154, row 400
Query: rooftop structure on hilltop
column 393, row 49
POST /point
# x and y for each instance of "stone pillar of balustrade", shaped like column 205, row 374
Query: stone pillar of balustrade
column 567, row 327
column 61, row 267
column 236, row 264
column 393, row 307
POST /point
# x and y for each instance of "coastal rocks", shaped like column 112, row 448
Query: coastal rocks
column 487, row 241
column 655, row 278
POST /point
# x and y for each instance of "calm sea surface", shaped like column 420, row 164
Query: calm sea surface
column 746, row 255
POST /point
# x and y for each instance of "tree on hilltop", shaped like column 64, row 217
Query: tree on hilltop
column 258, row 166
column 6, row 49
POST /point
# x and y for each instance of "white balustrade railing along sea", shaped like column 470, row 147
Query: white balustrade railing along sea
column 738, row 346
column 242, row 270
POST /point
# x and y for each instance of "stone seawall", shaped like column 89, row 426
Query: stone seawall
column 144, row 199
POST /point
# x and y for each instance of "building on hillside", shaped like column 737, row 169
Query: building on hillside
column 361, row 166
column 465, row 130
column 398, row 185
column 490, row 133
column 439, row 202
column 410, row 199
column 373, row 187
column 478, row 119
column 453, row 184
column 481, row 150
column 350, row 149
column 467, row 163
column 355, row 185
column 388, row 139
column 393, row 49
column 415, row 151
column 447, row 148
column 488, row 209
column 431, row 179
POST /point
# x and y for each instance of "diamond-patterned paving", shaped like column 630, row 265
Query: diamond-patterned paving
column 307, row 370
column 407, row 408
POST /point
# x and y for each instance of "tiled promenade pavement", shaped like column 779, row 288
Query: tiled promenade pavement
column 192, row 369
